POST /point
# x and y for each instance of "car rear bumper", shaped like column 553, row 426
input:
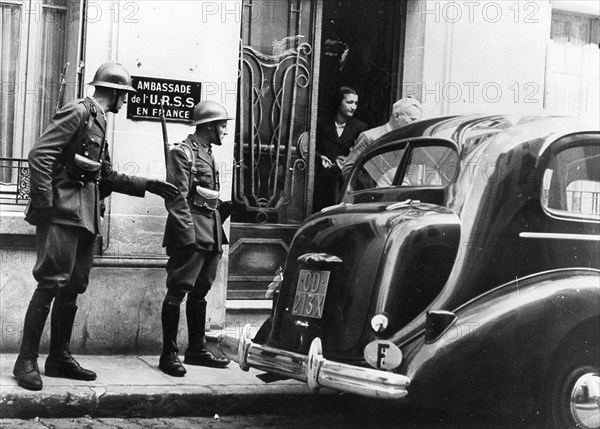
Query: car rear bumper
column 314, row 369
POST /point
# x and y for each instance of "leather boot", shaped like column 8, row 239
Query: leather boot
column 197, row 353
column 60, row 363
column 26, row 370
column 169, row 362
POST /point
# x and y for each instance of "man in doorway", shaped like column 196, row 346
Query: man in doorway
column 193, row 237
column 71, row 172
column 404, row 111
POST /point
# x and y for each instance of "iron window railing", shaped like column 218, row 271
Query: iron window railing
column 14, row 181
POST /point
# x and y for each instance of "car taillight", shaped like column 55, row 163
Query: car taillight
column 379, row 323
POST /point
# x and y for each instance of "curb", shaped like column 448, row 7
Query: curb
column 192, row 401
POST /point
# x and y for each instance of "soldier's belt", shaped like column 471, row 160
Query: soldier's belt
column 206, row 198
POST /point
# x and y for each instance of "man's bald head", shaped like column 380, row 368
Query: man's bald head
column 405, row 111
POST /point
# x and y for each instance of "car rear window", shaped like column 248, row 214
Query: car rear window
column 571, row 183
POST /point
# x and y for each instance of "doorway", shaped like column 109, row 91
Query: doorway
column 294, row 54
column 362, row 42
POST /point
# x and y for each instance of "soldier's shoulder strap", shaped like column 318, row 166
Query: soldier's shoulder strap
column 82, row 131
column 189, row 153
column 191, row 157
column 92, row 112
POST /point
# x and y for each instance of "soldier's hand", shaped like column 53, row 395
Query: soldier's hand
column 224, row 209
column 161, row 188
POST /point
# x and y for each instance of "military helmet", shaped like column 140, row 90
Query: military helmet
column 113, row 75
column 209, row 111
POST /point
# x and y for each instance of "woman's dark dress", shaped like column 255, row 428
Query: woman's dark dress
column 328, row 182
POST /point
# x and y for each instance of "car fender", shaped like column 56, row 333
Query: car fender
column 502, row 343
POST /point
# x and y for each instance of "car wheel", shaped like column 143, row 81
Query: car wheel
column 573, row 395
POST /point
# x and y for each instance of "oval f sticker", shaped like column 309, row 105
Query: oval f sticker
column 383, row 354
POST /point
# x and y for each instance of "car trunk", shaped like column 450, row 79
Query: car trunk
column 333, row 282
column 339, row 243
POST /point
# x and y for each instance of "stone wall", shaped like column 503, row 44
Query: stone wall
column 119, row 313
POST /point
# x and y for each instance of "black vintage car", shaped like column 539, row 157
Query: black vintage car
column 460, row 269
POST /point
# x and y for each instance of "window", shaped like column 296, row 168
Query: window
column 571, row 183
column 428, row 166
column 38, row 38
column 573, row 80
column 431, row 166
column 378, row 171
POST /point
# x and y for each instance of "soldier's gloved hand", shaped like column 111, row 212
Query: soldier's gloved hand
column 161, row 188
column 224, row 209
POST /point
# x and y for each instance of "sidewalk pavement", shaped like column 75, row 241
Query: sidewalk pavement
column 133, row 386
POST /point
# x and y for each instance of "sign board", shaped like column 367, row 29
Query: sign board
column 178, row 98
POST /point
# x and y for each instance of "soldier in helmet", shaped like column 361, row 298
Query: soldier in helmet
column 71, row 172
column 193, row 238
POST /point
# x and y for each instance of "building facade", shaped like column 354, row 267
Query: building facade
column 274, row 65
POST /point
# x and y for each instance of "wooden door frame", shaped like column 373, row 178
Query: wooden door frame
column 310, row 185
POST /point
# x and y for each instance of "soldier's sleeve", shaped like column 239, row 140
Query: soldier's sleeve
column 178, row 174
column 45, row 154
column 362, row 141
column 112, row 181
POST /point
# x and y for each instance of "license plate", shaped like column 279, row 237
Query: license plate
column 310, row 293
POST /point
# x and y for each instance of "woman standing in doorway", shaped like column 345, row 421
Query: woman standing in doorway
column 335, row 136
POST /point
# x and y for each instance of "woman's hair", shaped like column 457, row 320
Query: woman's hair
column 340, row 94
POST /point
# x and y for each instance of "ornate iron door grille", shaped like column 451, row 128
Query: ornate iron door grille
column 273, row 121
column 272, row 183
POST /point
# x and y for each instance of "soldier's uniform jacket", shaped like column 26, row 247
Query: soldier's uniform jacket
column 189, row 223
column 72, row 192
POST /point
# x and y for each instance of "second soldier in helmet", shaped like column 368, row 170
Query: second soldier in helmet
column 193, row 238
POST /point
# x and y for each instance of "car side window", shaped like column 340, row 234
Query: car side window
column 571, row 183
column 428, row 166
column 378, row 171
column 431, row 166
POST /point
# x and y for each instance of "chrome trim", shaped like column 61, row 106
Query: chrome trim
column 560, row 236
column 402, row 204
column 243, row 346
column 335, row 206
column 314, row 369
column 316, row 258
column 584, row 402
column 315, row 363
